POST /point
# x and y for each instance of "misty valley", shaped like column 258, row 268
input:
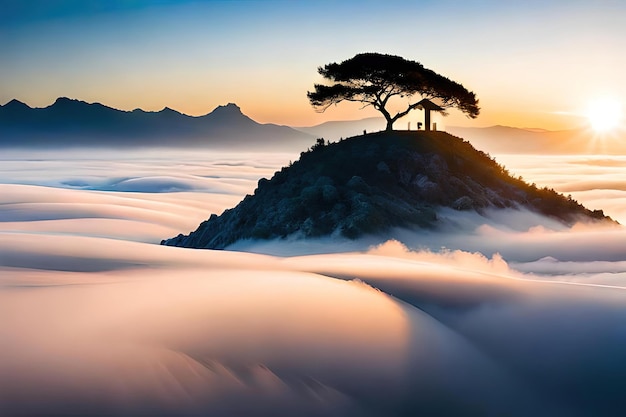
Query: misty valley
column 498, row 312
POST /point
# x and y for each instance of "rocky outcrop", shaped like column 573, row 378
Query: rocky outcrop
column 372, row 183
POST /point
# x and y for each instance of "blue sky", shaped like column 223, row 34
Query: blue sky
column 532, row 64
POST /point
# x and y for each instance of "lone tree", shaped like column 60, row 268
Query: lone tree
column 373, row 79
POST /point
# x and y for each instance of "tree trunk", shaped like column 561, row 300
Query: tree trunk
column 389, row 125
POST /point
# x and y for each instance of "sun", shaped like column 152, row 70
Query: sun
column 604, row 114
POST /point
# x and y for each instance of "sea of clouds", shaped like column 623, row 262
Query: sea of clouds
column 501, row 314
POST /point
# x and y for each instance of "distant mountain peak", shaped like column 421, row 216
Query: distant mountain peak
column 16, row 104
column 230, row 113
column 62, row 100
column 230, row 108
column 168, row 110
column 68, row 103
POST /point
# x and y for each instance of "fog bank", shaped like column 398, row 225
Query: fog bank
column 503, row 313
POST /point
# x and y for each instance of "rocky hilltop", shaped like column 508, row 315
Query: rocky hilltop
column 372, row 183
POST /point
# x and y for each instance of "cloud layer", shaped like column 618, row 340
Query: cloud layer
column 506, row 319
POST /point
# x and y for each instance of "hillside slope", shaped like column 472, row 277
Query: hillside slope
column 372, row 183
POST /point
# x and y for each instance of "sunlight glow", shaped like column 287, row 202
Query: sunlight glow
column 604, row 114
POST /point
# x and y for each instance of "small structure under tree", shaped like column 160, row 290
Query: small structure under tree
column 429, row 106
column 374, row 79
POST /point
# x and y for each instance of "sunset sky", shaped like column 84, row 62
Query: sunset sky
column 531, row 63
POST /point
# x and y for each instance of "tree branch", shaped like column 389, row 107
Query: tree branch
column 400, row 115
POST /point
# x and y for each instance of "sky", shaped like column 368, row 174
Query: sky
column 532, row 64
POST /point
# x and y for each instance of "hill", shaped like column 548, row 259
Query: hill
column 70, row 122
column 370, row 184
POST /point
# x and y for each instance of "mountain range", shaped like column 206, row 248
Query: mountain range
column 504, row 139
column 69, row 122
column 335, row 130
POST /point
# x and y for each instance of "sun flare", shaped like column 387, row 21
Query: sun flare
column 604, row 114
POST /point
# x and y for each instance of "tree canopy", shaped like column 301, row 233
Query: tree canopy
column 373, row 79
